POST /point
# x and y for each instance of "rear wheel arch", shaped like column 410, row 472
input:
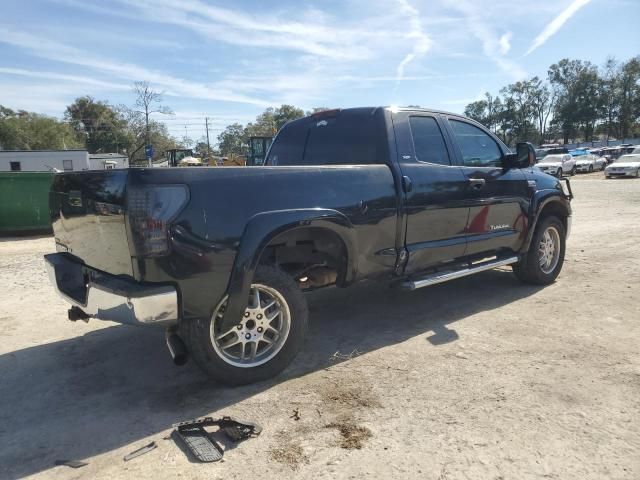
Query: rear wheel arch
column 263, row 229
column 315, row 247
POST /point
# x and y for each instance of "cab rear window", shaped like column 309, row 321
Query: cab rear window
column 350, row 137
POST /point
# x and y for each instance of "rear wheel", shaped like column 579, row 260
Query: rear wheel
column 559, row 173
column 262, row 342
column 543, row 262
column 590, row 168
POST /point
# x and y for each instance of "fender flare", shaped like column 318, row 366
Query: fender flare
column 261, row 229
column 540, row 200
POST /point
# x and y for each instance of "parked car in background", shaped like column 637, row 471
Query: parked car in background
column 558, row 164
column 590, row 163
column 625, row 166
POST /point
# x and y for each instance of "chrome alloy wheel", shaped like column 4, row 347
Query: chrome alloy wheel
column 260, row 334
column 549, row 250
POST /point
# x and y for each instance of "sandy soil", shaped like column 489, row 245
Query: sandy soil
column 479, row 378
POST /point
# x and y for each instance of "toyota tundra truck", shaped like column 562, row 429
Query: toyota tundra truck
column 221, row 257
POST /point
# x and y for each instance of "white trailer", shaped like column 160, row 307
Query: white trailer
column 43, row 160
column 59, row 160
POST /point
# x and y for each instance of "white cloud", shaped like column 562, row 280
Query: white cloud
column 557, row 23
column 417, row 36
column 66, row 78
column 494, row 47
column 46, row 48
column 505, row 43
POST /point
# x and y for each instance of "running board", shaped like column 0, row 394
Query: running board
column 440, row 277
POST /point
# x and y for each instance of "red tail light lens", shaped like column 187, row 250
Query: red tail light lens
column 151, row 209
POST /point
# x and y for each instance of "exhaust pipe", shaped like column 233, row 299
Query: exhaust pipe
column 177, row 348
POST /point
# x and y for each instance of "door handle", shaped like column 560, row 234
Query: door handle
column 407, row 184
column 477, row 183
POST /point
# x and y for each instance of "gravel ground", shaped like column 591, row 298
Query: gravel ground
column 481, row 378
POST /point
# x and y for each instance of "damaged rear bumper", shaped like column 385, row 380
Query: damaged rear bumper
column 107, row 297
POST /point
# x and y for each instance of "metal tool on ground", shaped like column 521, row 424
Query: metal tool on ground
column 71, row 463
column 202, row 444
column 140, row 451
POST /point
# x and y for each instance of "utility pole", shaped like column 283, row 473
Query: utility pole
column 146, row 136
column 206, row 123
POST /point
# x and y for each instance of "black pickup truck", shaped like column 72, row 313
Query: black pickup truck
column 220, row 257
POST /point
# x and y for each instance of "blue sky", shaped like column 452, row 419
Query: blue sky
column 228, row 60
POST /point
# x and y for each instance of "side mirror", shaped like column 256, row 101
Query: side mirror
column 524, row 157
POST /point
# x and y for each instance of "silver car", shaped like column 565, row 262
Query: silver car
column 590, row 163
column 558, row 164
column 625, row 166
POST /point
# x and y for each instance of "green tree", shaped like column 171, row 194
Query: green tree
column 99, row 124
column 232, row 140
column 579, row 99
column 629, row 96
column 285, row 113
column 157, row 134
column 23, row 130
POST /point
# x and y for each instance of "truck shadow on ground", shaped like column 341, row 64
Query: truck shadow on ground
column 84, row 396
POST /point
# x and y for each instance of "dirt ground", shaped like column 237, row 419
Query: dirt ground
column 481, row 378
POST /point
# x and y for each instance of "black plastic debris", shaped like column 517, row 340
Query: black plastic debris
column 140, row 451
column 203, row 445
column 71, row 463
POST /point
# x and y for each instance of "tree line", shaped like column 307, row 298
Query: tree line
column 94, row 125
column 578, row 101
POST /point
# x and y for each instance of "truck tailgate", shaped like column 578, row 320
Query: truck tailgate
column 87, row 215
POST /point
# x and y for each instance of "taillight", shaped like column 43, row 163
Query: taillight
column 151, row 209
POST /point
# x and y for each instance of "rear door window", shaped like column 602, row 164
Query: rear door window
column 428, row 141
column 348, row 138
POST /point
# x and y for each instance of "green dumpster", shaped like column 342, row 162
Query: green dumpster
column 24, row 202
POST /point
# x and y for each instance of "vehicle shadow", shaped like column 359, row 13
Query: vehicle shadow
column 80, row 397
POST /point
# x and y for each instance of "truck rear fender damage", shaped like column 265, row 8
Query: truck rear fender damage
column 286, row 237
column 543, row 204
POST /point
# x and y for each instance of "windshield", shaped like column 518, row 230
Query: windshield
column 551, row 159
column 628, row 158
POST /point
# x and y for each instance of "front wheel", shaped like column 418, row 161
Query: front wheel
column 263, row 341
column 559, row 173
column 573, row 171
column 543, row 262
column 590, row 168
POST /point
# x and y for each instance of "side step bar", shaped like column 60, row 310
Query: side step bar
column 440, row 277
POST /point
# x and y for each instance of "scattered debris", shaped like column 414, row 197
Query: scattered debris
column 353, row 436
column 140, row 451
column 200, row 442
column 351, row 396
column 290, row 454
column 71, row 463
column 296, row 415
column 341, row 356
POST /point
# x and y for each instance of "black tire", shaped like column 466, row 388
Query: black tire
column 200, row 343
column 528, row 269
column 559, row 173
column 573, row 171
column 590, row 168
